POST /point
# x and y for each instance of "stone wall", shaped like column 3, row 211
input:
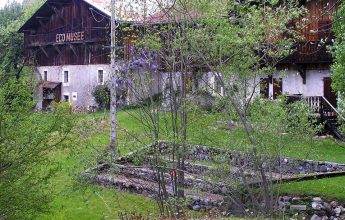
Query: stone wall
column 282, row 165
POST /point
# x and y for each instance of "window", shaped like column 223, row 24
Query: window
column 100, row 77
column 45, row 75
column 66, row 77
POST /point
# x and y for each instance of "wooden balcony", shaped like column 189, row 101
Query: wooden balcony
column 309, row 52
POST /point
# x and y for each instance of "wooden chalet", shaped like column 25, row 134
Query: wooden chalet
column 68, row 42
column 308, row 69
column 67, row 32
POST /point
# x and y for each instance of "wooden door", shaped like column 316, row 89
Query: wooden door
column 277, row 87
column 328, row 92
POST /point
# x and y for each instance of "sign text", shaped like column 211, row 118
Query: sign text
column 70, row 37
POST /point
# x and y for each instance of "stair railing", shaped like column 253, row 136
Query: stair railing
column 333, row 108
column 321, row 104
column 315, row 102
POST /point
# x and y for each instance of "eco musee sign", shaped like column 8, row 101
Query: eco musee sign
column 70, row 37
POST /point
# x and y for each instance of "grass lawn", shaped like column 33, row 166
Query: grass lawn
column 73, row 200
column 328, row 188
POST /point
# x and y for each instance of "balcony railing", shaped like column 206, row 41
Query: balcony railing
column 309, row 52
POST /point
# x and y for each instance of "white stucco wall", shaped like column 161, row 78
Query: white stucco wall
column 293, row 82
column 82, row 80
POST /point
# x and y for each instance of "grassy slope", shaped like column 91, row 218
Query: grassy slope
column 75, row 201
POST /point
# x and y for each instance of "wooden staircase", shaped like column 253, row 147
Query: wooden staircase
column 328, row 114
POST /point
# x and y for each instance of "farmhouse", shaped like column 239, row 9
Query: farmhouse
column 68, row 43
column 308, row 69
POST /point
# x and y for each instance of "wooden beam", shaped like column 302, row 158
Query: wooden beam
column 87, row 46
column 72, row 48
column 57, row 49
column 38, row 17
column 42, row 24
column 302, row 70
column 59, row 13
column 44, row 51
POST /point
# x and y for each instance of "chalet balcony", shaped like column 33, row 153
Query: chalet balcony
column 66, row 37
column 309, row 52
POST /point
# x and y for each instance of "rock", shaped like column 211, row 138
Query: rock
column 337, row 211
column 323, row 169
column 286, row 198
column 301, row 170
column 298, row 207
column 207, row 202
column 317, row 206
column 330, row 211
column 324, row 218
column 334, row 204
column 196, row 199
column 224, row 190
column 196, row 207
column 317, row 199
column 296, row 199
column 315, row 217
column 326, row 205
column 320, row 212
column 283, row 205
column 208, row 207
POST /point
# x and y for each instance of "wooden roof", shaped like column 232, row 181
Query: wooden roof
column 126, row 11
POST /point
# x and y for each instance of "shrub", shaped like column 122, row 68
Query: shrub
column 101, row 93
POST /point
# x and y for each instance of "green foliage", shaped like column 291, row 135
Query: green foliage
column 101, row 93
column 12, row 17
column 10, row 13
column 26, row 140
column 274, row 122
column 95, row 202
column 338, row 67
column 150, row 42
column 233, row 41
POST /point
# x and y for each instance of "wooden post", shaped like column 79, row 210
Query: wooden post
column 113, row 102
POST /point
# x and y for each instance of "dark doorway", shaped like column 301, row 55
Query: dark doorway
column 51, row 92
column 277, row 87
column 328, row 92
